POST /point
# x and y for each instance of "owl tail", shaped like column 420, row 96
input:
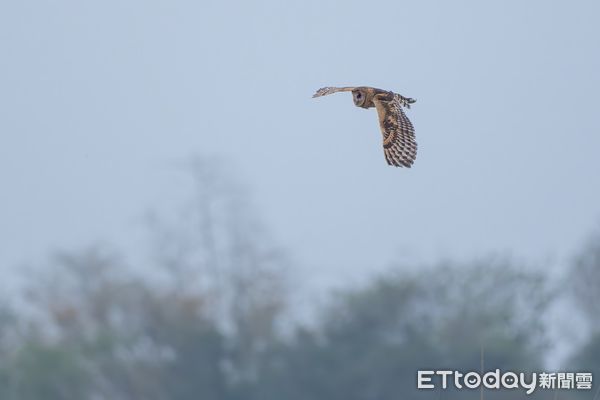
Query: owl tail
column 406, row 101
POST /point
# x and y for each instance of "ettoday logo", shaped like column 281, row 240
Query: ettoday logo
column 504, row 380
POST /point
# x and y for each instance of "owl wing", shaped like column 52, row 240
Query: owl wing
column 399, row 144
column 329, row 90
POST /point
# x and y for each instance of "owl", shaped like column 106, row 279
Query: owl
column 399, row 145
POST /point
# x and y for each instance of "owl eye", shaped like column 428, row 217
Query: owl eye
column 358, row 95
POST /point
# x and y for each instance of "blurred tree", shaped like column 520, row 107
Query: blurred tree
column 371, row 343
column 587, row 358
column 216, row 244
column 205, row 324
column 585, row 275
column 585, row 278
column 197, row 331
column 47, row 372
column 8, row 321
column 116, row 336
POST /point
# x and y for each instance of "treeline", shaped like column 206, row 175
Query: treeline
column 208, row 317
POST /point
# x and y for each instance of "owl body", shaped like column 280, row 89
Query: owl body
column 399, row 144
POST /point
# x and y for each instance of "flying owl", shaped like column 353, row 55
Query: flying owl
column 399, row 145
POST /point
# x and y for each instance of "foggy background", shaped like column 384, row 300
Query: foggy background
column 178, row 140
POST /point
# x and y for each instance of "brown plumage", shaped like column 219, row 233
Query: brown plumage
column 399, row 144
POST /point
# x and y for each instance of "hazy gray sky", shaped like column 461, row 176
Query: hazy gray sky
column 99, row 101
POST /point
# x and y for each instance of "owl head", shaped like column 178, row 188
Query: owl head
column 360, row 98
